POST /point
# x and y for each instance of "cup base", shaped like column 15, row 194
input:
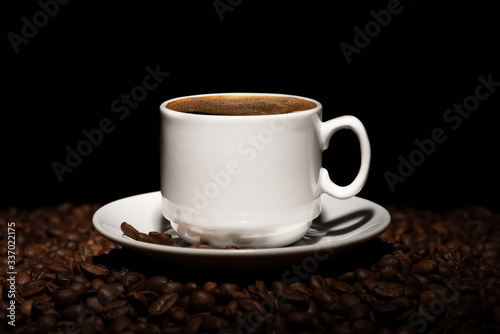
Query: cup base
column 262, row 238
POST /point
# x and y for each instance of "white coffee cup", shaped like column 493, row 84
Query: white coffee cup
column 249, row 180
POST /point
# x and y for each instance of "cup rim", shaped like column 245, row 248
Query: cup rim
column 165, row 110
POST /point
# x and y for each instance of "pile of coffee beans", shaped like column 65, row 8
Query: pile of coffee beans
column 429, row 272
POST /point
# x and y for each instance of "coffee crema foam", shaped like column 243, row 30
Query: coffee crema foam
column 239, row 105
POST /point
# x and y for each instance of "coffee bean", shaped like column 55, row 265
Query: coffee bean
column 162, row 239
column 388, row 273
column 435, row 262
column 170, row 286
column 105, row 294
column 94, row 271
column 144, row 237
column 359, row 311
column 214, row 323
column 298, row 299
column 362, row 274
column 250, row 305
column 348, row 300
column 47, row 323
column 139, row 301
column 179, row 314
column 341, row 287
column 425, row 267
column 33, row 288
column 323, row 297
column 65, row 297
column 193, row 325
column 348, row 277
column 201, row 301
column 276, row 323
column 388, row 309
column 115, row 309
column 118, row 325
column 299, row 318
column 317, row 282
column 163, row 304
column 388, row 289
column 155, row 283
column 364, row 326
column 129, row 230
column 79, row 287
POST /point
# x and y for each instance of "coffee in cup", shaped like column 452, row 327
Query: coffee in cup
column 239, row 105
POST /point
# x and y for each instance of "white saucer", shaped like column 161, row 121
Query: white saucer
column 341, row 225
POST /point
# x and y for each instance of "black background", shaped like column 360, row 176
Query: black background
column 429, row 57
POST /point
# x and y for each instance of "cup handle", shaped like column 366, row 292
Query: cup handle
column 327, row 129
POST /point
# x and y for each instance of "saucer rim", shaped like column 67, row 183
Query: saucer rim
column 383, row 222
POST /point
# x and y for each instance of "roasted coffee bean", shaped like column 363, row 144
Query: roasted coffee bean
column 144, row 237
column 298, row 299
column 276, row 324
column 193, row 325
column 163, row 304
column 79, row 287
column 359, row 311
column 33, row 288
column 323, row 297
column 132, row 280
column 201, row 301
column 64, row 276
column 214, row 323
column 208, row 286
column 162, row 239
column 47, row 323
column 429, row 262
column 137, row 300
column 388, row 310
column 118, row 325
column 203, row 246
column 179, row 314
column 250, row 305
column 425, row 267
column 364, row 326
column 348, row 300
column 129, row 230
column 115, row 309
column 65, row 297
column 388, row 273
column 105, row 294
column 341, row 287
column 317, row 282
column 94, row 271
column 170, row 286
column 389, row 290
column 155, row 283
column 348, row 277
column 362, row 274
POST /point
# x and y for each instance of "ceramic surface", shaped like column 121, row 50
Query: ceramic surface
column 249, row 180
column 342, row 224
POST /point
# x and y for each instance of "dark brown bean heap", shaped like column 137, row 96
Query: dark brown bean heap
column 429, row 272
